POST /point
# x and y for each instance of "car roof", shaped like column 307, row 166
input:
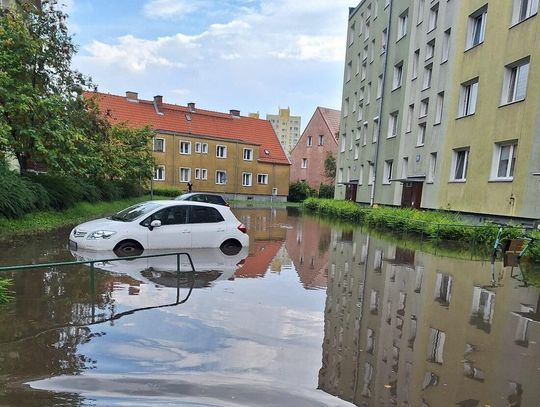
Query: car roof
column 170, row 202
column 200, row 193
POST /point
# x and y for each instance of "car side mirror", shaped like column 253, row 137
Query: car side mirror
column 154, row 224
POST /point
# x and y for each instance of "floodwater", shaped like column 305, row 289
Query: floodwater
column 312, row 314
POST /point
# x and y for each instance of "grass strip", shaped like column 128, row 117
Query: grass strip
column 432, row 225
column 40, row 222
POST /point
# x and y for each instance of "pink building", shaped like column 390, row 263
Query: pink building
column 318, row 139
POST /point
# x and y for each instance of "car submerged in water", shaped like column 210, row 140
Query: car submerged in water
column 158, row 225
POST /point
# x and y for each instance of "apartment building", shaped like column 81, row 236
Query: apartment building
column 236, row 156
column 317, row 141
column 437, row 102
column 287, row 128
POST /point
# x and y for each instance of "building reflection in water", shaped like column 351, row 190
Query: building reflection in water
column 405, row 328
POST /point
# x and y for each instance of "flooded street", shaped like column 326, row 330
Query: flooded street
column 312, row 314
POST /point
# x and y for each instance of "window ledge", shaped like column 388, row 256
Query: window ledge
column 400, row 38
column 444, row 61
column 386, row 183
column 497, row 180
column 457, row 181
column 473, row 46
column 512, row 103
column 463, row 117
column 437, row 124
column 391, row 137
column 522, row 21
column 396, row 88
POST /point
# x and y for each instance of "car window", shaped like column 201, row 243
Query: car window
column 204, row 214
column 133, row 212
column 215, row 199
column 198, row 198
column 174, row 215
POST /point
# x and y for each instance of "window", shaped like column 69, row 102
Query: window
column 515, row 81
column 460, row 158
column 436, row 345
column 185, row 174
column 428, row 71
column 504, row 161
column 198, row 148
column 351, row 34
column 364, row 54
column 348, row 71
column 424, row 106
column 371, row 174
column 483, row 305
column 439, row 108
column 185, row 147
column 421, row 138
column 356, row 151
column 204, row 214
column 445, row 46
column 248, row 154
column 204, row 148
column 197, row 173
column 421, row 5
column 246, row 179
column 340, row 175
column 430, row 49
column 364, row 133
column 432, row 167
column 404, row 167
column 524, row 9
column 467, row 99
column 367, row 30
column 398, row 75
column 415, row 63
column 361, row 175
column 372, row 51
column 174, row 215
column 158, row 145
column 433, row 17
column 358, row 62
column 393, row 124
column 262, row 179
column 159, row 173
column 410, row 115
column 345, row 107
column 402, row 25
column 388, row 164
column 384, row 41
column 379, row 86
column 360, row 113
column 221, row 151
column 221, row 177
column 363, row 72
column 343, row 142
column 368, row 93
column 304, row 162
column 204, row 174
column 443, row 288
column 375, row 129
column 477, row 27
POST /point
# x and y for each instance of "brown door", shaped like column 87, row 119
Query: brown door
column 350, row 192
column 411, row 196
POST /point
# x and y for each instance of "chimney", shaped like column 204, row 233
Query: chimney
column 132, row 96
column 191, row 106
column 234, row 112
column 158, row 104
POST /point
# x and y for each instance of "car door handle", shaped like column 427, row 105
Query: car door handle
column 221, row 230
column 186, row 231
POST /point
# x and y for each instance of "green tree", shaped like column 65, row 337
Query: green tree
column 45, row 116
column 330, row 166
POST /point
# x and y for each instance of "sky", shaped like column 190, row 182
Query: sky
column 251, row 55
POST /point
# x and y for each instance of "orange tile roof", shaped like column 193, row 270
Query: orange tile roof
column 203, row 123
column 256, row 265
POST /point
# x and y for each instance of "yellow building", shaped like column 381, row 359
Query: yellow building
column 287, row 128
column 238, row 157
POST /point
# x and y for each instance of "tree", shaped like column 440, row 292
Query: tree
column 330, row 166
column 44, row 114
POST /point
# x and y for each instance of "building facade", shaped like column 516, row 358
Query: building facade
column 317, row 141
column 438, row 103
column 236, row 156
column 287, row 128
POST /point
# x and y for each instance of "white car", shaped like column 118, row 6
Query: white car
column 162, row 225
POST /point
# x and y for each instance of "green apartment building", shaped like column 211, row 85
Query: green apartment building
column 440, row 106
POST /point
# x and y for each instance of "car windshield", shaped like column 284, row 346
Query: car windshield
column 135, row 211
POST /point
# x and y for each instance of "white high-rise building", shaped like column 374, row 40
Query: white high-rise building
column 287, row 128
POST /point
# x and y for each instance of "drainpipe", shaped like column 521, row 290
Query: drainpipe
column 385, row 62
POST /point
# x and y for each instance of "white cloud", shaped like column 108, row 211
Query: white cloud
column 169, row 8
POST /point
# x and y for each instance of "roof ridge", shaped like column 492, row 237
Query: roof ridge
column 319, row 108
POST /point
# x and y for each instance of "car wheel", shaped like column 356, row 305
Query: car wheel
column 231, row 247
column 128, row 248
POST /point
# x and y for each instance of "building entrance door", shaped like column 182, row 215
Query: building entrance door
column 411, row 196
column 350, row 192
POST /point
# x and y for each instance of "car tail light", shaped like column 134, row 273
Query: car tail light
column 242, row 228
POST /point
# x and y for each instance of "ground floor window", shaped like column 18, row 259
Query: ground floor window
column 159, row 173
column 221, row 177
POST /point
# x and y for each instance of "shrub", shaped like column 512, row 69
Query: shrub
column 326, row 191
column 299, row 191
column 172, row 192
column 17, row 195
column 64, row 191
column 5, row 295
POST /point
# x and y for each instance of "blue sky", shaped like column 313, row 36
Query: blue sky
column 252, row 55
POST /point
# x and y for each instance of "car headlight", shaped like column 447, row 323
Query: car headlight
column 100, row 234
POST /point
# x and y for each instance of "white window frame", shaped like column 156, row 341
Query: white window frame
column 415, row 64
column 184, row 170
column 156, row 172
column 511, row 162
column 304, row 163
column 428, row 76
column 445, row 51
column 204, row 148
column 476, row 29
column 321, row 139
column 404, row 167
column 154, row 144
column 204, row 174
column 343, row 143
column 439, row 106
column 430, row 49
column 356, row 151
column 309, row 141
column 432, row 168
column 221, row 147
column 424, row 108
column 453, row 170
column 523, row 9
column 262, row 179
column 468, row 97
column 379, row 86
column 247, row 179
column 371, row 175
column 249, row 152
column 197, row 173
column 384, row 41
column 219, row 179
column 410, row 115
column 433, row 17
column 393, row 125
column 421, row 137
column 387, row 173
column 515, row 81
column 376, row 127
column 402, row 25
column 181, row 146
column 398, row 76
